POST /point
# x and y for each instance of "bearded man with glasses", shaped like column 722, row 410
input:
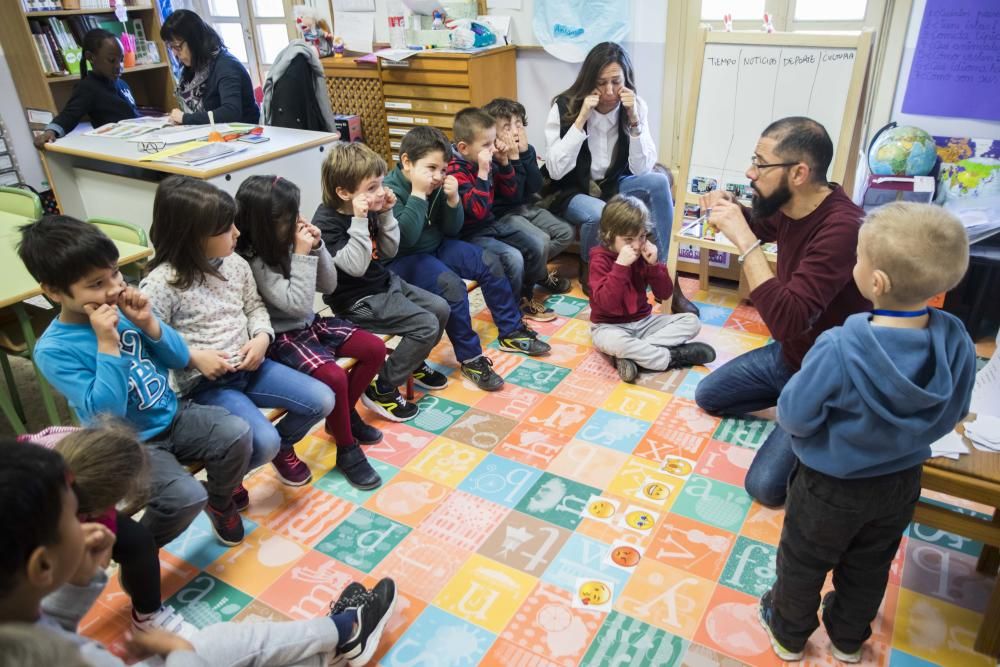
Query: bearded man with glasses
column 815, row 225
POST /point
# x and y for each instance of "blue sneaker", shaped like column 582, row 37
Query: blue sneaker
column 764, row 612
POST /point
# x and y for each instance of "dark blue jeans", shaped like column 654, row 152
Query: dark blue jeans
column 442, row 273
column 753, row 381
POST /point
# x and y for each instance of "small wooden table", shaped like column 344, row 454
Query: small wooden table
column 973, row 477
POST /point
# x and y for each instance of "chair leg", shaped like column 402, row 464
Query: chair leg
column 8, row 410
column 8, row 376
column 48, row 397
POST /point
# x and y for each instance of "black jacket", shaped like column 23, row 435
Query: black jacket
column 293, row 102
column 96, row 96
column 228, row 94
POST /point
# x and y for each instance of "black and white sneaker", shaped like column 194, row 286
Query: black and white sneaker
column 525, row 341
column 374, row 612
column 426, row 377
column 389, row 404
column 352, row 596
column 480, row 370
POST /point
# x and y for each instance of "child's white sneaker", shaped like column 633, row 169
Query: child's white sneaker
column 166, row 618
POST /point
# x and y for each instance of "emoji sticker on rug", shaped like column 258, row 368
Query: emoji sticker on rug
column 623, row 556
column 677, row 466
column 639, row 519
column 593, row 594
column 653, row 490
column 601, row 509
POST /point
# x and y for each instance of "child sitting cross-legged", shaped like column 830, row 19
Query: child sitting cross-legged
column 623, row 325
column 46, row 553
column 862, row 412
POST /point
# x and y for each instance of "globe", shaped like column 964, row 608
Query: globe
column 902, row 151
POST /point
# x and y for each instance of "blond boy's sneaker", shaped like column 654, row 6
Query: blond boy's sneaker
column 533, row 309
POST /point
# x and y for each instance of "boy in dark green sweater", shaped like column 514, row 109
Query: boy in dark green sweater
column 431, row 256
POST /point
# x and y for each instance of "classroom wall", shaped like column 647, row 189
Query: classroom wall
column 935, row 125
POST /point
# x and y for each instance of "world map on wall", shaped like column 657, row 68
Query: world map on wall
column 969, row 168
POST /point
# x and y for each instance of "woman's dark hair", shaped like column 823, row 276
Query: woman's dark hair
column 202, row 40
column 186, row 211
column 267, row 208
column 602, row 55
column 92, row 43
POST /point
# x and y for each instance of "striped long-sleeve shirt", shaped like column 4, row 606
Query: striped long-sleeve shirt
column 476, row 193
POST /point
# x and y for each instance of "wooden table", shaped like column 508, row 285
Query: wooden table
column 973, row 477
column 17, row 285
column 105, row 177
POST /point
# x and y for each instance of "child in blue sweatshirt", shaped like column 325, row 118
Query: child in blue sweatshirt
column 107, row 353
column 862, row 412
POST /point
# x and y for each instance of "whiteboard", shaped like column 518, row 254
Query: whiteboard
column 745, row 87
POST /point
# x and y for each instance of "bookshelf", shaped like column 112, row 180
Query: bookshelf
column 152, row 84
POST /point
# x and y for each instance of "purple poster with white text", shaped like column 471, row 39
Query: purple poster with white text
column 956, row 65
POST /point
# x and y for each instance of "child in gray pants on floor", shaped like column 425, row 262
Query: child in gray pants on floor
column 623, row 324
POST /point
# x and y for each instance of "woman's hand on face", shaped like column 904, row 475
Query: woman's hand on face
column 586, row 108
column 176, row 117
column 627, row 98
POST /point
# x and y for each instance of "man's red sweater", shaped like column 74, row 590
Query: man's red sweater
column 618, row 293
column 477, row 194
column 814, row 289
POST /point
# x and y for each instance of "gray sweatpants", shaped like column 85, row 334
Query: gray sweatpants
column 415, row 315
column 199, row 434
column 560, row 232
column 647, row 341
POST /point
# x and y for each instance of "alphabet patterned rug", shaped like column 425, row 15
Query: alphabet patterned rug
column 500, row 514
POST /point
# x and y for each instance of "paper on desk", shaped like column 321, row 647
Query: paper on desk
column 984, row 433
column 950, row 446
column 397, row 55
column 357, row 30
column 986, row 392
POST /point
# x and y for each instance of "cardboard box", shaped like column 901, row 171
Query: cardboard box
column 349, row 127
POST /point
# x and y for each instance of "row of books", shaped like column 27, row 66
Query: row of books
column 58, row 40
column 56, row 5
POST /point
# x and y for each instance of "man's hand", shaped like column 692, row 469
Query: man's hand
column 360, row 203
column 451, row 190
column 213, row 364
column 649, row 252
column 97, row 543
column 143, row 644
column 253, row 352
column 485, row 159
column 46, row 137
column 627, row 256
column 104, row 321
column 586, row 108
column 707, row 201
column 728, row 218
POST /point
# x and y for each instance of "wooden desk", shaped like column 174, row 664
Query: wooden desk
column 104, row 177
column 16, row 285
column 974, row 477
column 703, row 266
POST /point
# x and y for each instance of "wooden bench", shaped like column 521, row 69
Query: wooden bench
column 974, row 477
column 346, row 362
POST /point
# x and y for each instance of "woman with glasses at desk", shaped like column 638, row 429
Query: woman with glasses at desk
column 212, row 79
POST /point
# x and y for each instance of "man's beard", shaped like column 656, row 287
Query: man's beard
column 763, row 207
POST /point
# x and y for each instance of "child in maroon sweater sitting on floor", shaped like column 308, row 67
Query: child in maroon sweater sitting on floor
column 623, row 324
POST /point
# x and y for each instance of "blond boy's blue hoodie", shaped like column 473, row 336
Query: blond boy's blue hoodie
column 870, row 400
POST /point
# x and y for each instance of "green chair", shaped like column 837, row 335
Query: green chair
column 128, row 233
column 20, row 202
column 19, row 329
